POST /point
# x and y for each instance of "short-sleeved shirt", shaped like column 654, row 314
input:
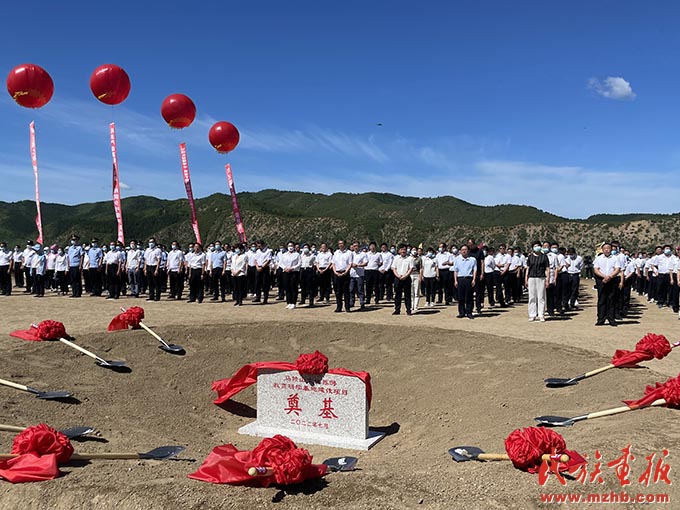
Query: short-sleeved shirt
column 537, row 264
column 606, row 265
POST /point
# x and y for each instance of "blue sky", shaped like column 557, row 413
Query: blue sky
column 568, row 106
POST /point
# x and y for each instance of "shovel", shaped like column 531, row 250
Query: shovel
column 171, row 348
column 48, row 395
column 334, row 464
column 560, row 421
column 113, row 365
column 70, row 433
column 162, row 453
column 556, row 382
column 466, row 453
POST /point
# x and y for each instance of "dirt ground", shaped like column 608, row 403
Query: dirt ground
column 438, row 382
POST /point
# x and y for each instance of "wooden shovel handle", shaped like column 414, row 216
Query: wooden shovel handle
column 598, row 370
column 79, row 348
column 151, row 332
column 11, row 428
column 623, row 409
column 504, row 456
column 14, row 385
column 261, row 471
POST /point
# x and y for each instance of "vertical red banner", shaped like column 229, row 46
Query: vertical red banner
column 190, row 193
column 34, row 160
column 116, row 184
column 234, row 205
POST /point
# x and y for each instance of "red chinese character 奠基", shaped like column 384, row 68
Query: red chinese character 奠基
column 621, row 465
column 327, row 410
column 661, row 470
column 293, row 405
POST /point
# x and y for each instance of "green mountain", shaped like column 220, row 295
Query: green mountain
column 278, row 216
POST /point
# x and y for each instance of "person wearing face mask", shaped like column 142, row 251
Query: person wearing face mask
column 537, row 280
column 562, row 280
column 371, row 273
column 176, row 262
column 444, row 262
column 574, row 267
column 487, row 277
column 114, row 268
column 416, row 278
column 27, row 257
column 5, row 270
column 133, row 264
column 453, row 292
column 239, row 269
column 216, row 261
column 96, row 256
column 263, row 259
column 38, row 270
column 86, row 269
column 341, row 265
column 550, row 293
column 226, row 274
column 290, row 264
column 477, row 252
column 50, row 257
column 502, row 260
column 196, row 263
column 385, row 275
column 628, row 282
column 278, row 273
column 307, row 275
column 607, row 269
column 61, row 271
column 465, row 269
column 662, row 270
column 252, row 269
column 430, row 273
column 17, row 259
column 152, row 261
column 512, row 290
column 402, row 267
column 324, row 272
column 651, row 275
column 356, row 276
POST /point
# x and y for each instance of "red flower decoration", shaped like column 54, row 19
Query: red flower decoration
column 51, row 330
column 43, row 440
column 282, row 454
column 649, row 347
column 133, row 316
column 315, row 363
column 525, row 447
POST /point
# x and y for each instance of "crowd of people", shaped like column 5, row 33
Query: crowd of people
column 473, row 276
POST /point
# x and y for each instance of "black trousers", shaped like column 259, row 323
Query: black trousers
column 62, row 281
column 76, row 281
column 290, row 282
column 499, row 280
column 563, row 291
column 652, row 290
column 385, row 286
column 324, row 279
column 342, row 291
column 95, row 281
column 574, row 283
column 18, row 275
column 402, row 290
column 114, row 280
column 663, row 282
column 307, row 284
column 487, row 286
column 154, row 284
column 605, row 298
column 39, row 284
column 510, row 284
column 176, row 284
column 240, row 288
column 217, row 283
column 262, row 284
column 371, row 277
column 444, row 285
column 5, row 281
column 279, row 284
column 465, row 295
column 627, row 288
column 252, row 276
column 551, row 299
column 28, row 278
column 49, row 279
column 195, row 285
column 429, row 286
column 674, row 292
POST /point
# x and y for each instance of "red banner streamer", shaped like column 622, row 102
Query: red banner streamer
column 190, row 193
column 34, row 160
column 116, row 184
column 234, row 206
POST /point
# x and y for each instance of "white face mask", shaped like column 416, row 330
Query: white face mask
column 414, row 252
column 305, row 250
column 291, row 248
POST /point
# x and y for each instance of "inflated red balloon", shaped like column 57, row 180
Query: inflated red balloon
column 224, row 136
column 30, row 85
column 110, row 84
column 178, row 110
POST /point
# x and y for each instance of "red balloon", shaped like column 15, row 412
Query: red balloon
column 224, row 136
column 30, row 85
column 110, row 84
column 178, row 110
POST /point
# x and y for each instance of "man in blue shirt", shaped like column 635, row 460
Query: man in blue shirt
column 218, row 258
column 464, row 278
column 96, row 257
column 75, row 261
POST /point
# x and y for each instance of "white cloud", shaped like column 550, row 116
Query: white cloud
column 125, row 186
column 612, row 87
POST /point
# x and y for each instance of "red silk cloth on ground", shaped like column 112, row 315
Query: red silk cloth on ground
column 526, row 447
column 649, row 347
column 130, row 318
column 290, row 464
column 314, row 364
column 670, row 391
column 46, row 330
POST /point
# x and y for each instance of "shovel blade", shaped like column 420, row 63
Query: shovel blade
column 116, row 366
column 556, row 382
column 162, row 452
column 341, row 463
column 54, row 395
column 465, row 453
column 554, row 421
column 77, row 431
column 172, row 348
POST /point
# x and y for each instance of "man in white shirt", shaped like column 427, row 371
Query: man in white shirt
column 26, row 263
column 17, row 259
column 402, row 266
column 152, row 262
column 252, row 269
column 263, row 258
column 307, row 275
column 574, row 264
column 356, row 276
column 551, row 250
column 502, row 260
column 487, row 277
column 291, row 262
column 114, row 269
column 607, row 269
column 176, row 263
column 133, row 266
column 324, row 272
column 663, row 268
column 444, row 284
column 371, row 273
column 5, row 270
column 341, row 264
column 385, row 275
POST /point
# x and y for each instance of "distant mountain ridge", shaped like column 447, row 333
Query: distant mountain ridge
column 278, row 216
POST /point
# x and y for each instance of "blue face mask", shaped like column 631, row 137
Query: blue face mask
column 237, row 251
column 554, row 250
column 615, row 252
column 667, row 251
column 152, row 245
column 537, row 249
column 545, row 250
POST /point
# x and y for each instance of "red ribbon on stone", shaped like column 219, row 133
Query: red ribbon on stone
column 525, row 447
column 46, row 330
column 311, row 364
column 669, row 391
column 41, row 449
column 290, row 464
column 130, row 318
column 649, row 347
